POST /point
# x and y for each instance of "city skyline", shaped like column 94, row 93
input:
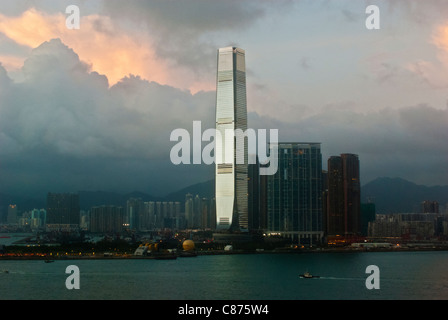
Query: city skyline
column 72, row 119
column 203, row 150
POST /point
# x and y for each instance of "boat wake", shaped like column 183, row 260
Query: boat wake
column 340, row 278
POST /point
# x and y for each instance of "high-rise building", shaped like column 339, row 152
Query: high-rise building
column 106, row 219
column 63, row 208
column 231, row 154
column 189, row 210
column 430, row 206
column 344, row 196
column 254, row 196
column 368, row 213
column 38, row 218
column 134, row 213
column 294, row 194
column 12, row 214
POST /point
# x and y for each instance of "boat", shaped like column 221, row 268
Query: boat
column 48, row 261
column 5, row 271
column 307, row 275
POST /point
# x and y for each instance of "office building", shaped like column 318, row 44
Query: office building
column 231, row 154
column 344, row 196
column 294, row 194
column 254, row 217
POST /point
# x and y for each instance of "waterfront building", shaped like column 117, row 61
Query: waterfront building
column 189, row 210
column 106, row 219
column 294, row 193
column 134, row 211
column 368, row 213
column 254, row 217
column 147, row 221
column 408, row 226
column 63, row 209
column 343, row 216
column 38, row 217
column 231, row 115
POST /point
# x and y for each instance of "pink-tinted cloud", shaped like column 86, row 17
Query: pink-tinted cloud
column 102, row 43
column 434, row 72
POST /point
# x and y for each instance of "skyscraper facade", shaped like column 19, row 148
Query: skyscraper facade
column 63, row 208
column 106, row 219
column 254, row 196
column 134, row 211
column 294, row 194
column 430, row 206
column 344, row 196
column 12, row 214
column 231, row 114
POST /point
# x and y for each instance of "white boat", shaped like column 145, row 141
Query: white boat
column 307, row 275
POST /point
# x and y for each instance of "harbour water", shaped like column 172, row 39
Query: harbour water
column 403, row 275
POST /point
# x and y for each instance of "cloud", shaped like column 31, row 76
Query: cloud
column 106, row 46
column 432, row 72
column 94, row 108
column 187, row 33
column 64, row 126
column 409, row 142
column 169, row 42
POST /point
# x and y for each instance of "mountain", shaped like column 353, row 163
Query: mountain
column 88, row 199
column 396, row 195
column 390, row 195
column 203, row 189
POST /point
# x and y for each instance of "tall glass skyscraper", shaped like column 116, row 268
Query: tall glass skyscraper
column 231, row 114
column 294, row 206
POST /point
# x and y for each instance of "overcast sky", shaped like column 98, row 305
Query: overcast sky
column 93, row 109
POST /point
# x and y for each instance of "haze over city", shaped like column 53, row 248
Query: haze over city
column 92, row 109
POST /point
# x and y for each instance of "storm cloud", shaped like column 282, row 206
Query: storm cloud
column 63, row 125
column 64, row 129
column 94, row 109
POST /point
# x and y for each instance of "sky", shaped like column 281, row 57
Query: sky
column 93, row 108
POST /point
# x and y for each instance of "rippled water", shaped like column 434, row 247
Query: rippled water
column 403, row 275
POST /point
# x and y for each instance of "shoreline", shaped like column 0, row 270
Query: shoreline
column 101, row 256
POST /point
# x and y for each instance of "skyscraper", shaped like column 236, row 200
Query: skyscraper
column 430, row 206
column 344, row 195
column 63, row 208
column 231, row 115
column 294, row 195
column 106, row 219
column 12, row 214
column 134, row 211
column 254, row 196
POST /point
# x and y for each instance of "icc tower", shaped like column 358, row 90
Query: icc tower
column 231, row 182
